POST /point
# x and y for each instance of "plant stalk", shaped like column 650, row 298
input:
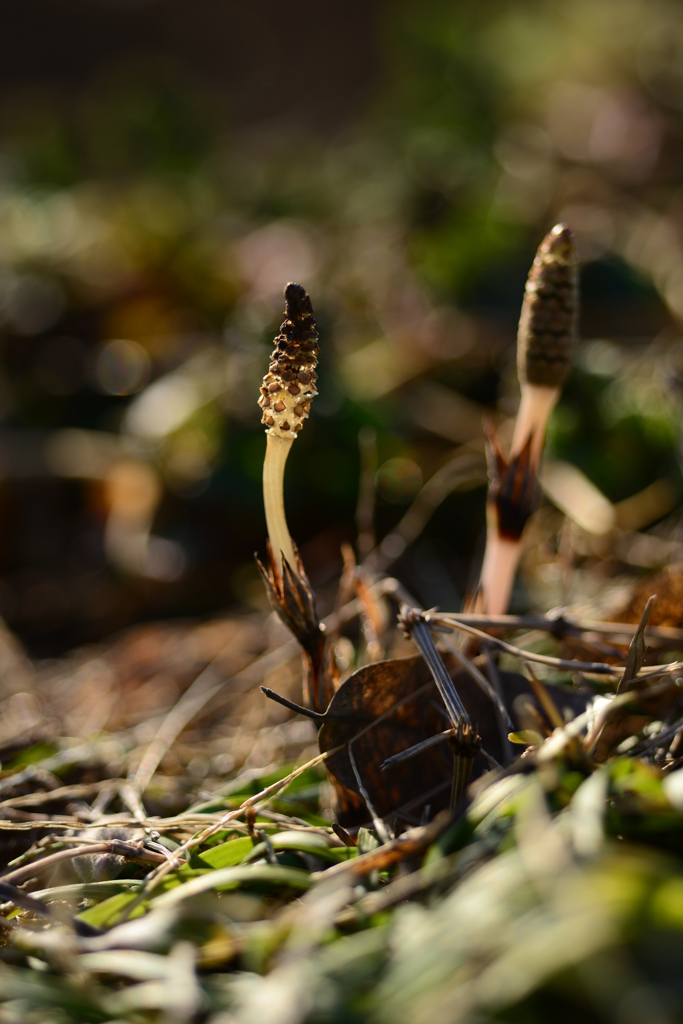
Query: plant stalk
column 535, row 409
column 544, row 348
column 285, row 399
column 277, row 450
column 498, row 570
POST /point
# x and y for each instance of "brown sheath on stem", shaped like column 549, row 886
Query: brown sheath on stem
column 465, row 744
column 286, row 394
column 510, row 501
column 545, row 340
column 293, row 600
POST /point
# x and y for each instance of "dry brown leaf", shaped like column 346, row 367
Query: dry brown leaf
column 403, row 691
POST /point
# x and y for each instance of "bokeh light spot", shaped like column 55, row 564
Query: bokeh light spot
column 398, row 480
column 122, row 368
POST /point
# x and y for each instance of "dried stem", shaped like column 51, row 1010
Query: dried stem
column 560, row 625
column 415, row 623
column 596, row 668
column 117, row 847
column 465, row 745
column 177, row 858
column 481, row 681
column 377, row 822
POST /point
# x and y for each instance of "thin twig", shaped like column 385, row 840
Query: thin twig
column 377, row 822
column 406, row 755
column 78, row 790
column 559, row 740
column 589, row 667
column 561, row 625
column 197, row 697
column 504, row 723
column 177, row 858
column 646, row 746
column 409, row 844
column 481, row 681
column 117, row 847
column 545, row 700
column 315, row 716
column 415, row 623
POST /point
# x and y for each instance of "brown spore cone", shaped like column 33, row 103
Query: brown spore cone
column 289, row 385
column 547, row 324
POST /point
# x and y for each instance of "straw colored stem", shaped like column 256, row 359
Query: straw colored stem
column 277, row 450
column 535, row 410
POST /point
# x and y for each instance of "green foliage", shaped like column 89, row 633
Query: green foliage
column 227, row 854
column 542, row 880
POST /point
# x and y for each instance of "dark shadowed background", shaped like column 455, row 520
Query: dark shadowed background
column 166, row 168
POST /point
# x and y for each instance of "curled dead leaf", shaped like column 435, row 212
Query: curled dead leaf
column 389, row 706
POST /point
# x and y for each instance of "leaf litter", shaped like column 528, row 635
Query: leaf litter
column 484, row 824
column 245, row 902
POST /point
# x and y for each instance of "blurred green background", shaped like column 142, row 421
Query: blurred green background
column 166, row 168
